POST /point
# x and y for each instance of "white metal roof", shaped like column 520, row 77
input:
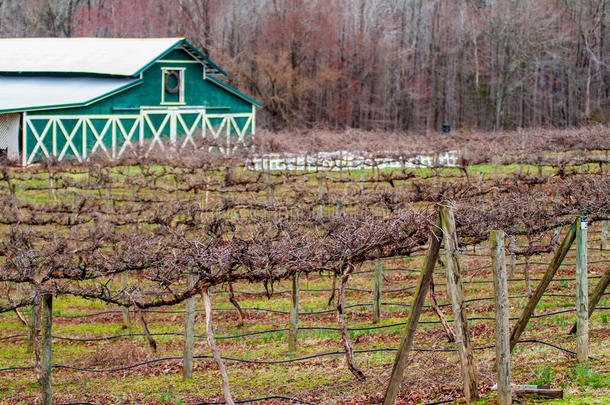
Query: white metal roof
column 19, row 93
column 110, row 56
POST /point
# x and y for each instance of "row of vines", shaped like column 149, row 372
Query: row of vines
column 150, row 234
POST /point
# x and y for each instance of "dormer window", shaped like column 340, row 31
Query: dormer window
column 172, row 85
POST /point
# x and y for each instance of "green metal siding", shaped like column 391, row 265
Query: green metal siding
column 177, row 54
column 198, row 92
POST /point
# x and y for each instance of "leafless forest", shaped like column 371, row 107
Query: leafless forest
column 374, row 64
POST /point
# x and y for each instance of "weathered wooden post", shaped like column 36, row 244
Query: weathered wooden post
column 526, row 275
column 339, row 208
column 294, row 313
column 582, row 292
column 320, row 206
column 400, row 362
column 52, row 191
column 46, row 360
column 513, row 256
column 455, row 290
column 594, row 298
column 124, row 308
column 556, row 238
column 189, row 331
column 270, row 187
column 377, row 290
column 34, row 320
column 502, row 320
column 544, row 283
column 604, row 235
column 598, row 292
column 362, row 179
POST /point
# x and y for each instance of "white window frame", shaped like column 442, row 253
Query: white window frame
column 180, row 71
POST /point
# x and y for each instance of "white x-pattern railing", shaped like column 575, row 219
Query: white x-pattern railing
column 49, row 136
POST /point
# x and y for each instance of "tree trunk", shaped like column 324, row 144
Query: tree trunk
column 209, row 331
column 149, row 338
column 347, row 344
column 233, row 301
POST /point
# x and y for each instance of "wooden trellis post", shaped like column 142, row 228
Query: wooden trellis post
column 361, row 179
column 596, row 296
column 339, row 208
column 604, row 235
column 320, row 206
column 377, row 291
column 544, row 283
column 34, row 320
column 502, row 320
column 270, row 188
column 46, row 360
column 189, row 331
column 513, row 256
column 294, row 314
column 455, row 290
column 124, row 308
column 582, row 292
column 400, row 362
column 556, row 236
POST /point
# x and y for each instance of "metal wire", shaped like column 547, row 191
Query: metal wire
column 284, row 361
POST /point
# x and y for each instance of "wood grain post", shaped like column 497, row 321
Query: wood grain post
column 34, row 320
column 582, row 292
column 544, row 283
column 377, row 290
column 189, row 331
column 400, row 362
column 556, row 236
column 604, row 235
column 125, row 308
column 513, row 256
column 339, row 208
column 320, row 206
column 294, row 314
column 502, row 320
column 596, row 296
column 526, row 275
column 46, row 360
column 455, row 290
column 361, row 179
column 268, row 186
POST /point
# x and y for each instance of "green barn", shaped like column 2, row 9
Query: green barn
column 70, row 98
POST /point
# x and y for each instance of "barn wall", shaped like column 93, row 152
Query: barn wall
column 198, row 92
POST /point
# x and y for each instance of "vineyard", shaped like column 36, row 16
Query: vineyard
column 205, row 278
